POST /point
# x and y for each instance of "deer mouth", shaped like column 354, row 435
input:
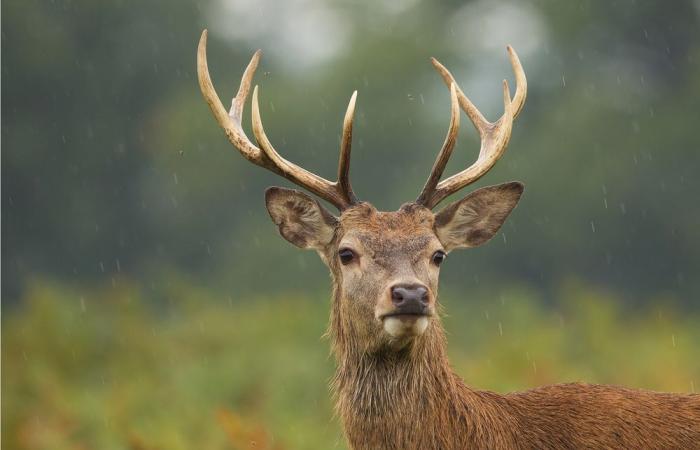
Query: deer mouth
column 401, row 324
column 406, row 315
column 410, row 311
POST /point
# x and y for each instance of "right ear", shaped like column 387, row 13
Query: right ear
column 299, row 218
column 476, row 218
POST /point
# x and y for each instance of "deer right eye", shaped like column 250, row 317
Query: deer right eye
column 438, row 257
column 346, row 255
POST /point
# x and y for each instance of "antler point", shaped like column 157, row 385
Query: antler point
column 203, row 38
column 506, row 92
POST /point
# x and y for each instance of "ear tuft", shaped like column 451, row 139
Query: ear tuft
column 300, row 219
column 476, row 218
column 514, row 187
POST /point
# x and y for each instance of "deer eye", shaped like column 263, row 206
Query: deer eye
column 346, row 255
column 438, row 257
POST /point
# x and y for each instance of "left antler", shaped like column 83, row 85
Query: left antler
column 494, row 136
column 339, row 193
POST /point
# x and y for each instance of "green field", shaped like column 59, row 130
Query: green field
column 123, row 366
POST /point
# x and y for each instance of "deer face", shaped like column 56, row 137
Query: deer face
column 386, row 265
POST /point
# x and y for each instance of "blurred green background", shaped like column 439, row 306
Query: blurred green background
column 148, row 302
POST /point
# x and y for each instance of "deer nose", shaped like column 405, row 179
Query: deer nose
column 409, row 296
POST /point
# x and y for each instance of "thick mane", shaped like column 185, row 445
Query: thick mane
column 411, row 399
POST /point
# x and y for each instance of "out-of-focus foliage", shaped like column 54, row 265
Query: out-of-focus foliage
column 112, row 164
column 195, row 371
column 115, row 175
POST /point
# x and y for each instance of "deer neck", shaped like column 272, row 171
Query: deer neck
column 409, row 398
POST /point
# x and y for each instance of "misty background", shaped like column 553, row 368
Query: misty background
column 117, row 183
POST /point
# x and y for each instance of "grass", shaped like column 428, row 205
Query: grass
column 122, row 367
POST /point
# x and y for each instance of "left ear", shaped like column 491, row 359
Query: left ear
column 476, row 218
column 299, row 218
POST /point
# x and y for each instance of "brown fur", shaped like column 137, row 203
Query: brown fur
column 400, row 393
column 412, row 400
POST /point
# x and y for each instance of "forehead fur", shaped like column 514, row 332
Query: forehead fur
column 410, row 222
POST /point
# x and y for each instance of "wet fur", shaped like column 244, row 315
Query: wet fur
column 411, row 399
column 404, row 395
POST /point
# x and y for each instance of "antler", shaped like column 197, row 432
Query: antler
column 494, row 136
column 338, row 193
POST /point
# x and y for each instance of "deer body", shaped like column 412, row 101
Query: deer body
column 413, row 400
column 394, row 387
column 402, row 394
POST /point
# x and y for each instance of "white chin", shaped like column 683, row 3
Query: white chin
column 404, row 326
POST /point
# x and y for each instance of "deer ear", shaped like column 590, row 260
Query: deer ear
column 476, row 218
column 299, row 218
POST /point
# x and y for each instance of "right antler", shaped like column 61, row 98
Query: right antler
column 494, row 136
column 338, row 193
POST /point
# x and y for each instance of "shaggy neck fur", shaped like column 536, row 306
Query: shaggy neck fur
column 409, row 398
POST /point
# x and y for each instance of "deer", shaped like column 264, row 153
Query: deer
column 393, row 386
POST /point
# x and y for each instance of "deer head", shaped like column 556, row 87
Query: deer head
column 394, row 386
column 385, row 265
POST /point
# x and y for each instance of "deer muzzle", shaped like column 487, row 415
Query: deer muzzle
column 411, row 311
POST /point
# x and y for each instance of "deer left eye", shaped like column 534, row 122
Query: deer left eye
column 346, row 256
column 438, row 257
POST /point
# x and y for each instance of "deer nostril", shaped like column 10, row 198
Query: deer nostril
column 422, row 294
column 397, row 295
column 401, row 294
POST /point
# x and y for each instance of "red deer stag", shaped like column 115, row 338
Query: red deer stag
column 393, row 386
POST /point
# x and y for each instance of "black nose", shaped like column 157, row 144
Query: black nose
column 413, row 298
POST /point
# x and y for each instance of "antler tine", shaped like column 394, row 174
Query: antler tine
column 494, row 136
column 345, row 149
column 325, row 189
column 446, row 151
column 238, row 102
column 520, row 82
column 231, row 123
column 467, row 106
column 338, row 193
